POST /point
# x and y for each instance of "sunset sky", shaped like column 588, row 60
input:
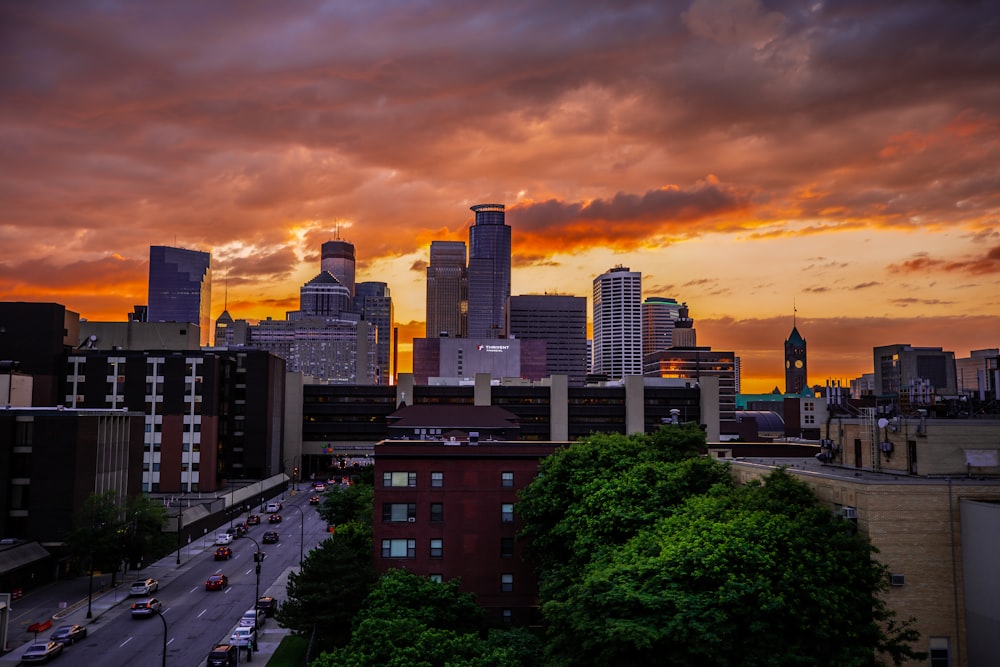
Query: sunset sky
column 748, row 157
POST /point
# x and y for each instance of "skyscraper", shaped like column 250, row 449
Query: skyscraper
column 337, row 257
column 447, row 284
column 658, row 317
column 618, row 323
column 560, row 321
column 489, row 272
column 324, row 296
column 180, row 287
column 374, row 303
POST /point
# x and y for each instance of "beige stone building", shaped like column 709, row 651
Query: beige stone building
column 927, row 494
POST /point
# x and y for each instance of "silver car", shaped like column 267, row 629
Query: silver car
column 42, row 651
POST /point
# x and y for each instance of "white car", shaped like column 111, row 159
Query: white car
column 253, row 618
column 273, row 507
column 144, row 587
column 223, row 538
column 244, row 635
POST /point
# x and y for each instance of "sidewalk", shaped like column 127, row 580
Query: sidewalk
column 163, row 570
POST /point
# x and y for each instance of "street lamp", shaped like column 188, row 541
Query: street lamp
column 90, row 587
column 180, row 524
column 160, row 614
column 256, row 558
column 302, row 529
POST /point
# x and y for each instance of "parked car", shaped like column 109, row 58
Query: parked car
column 69, row 634
column 314, row 500
column 146, row 608
column 223, row 553
column 223, row 538
column 42, row 651
column 223, row 655
column 253, row 618
column 144, row 587
column 267, row 604
column 274, row 518
column 216, row 582
column 253, row 520
column 273, row 507
column 270, row 537
column 243, row 636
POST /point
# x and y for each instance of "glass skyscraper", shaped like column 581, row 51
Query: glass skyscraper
column 447, row 290
column 180, row 287
column 489, row 272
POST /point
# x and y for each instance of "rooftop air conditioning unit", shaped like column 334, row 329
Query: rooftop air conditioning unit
column 897, row 579
column 411, row 519
column 850, row 513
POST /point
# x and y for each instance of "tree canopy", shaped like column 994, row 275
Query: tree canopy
column 650, row 555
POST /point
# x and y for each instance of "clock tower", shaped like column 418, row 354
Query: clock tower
column 795, row 362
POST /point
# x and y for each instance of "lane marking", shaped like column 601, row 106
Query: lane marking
column 125, row 642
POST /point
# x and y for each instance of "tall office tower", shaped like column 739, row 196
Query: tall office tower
column 447, row 285
column 323, row 296
column 618, row 323
column 795, row 362
column 338, row 259
column 180, row 287
column 560, row 321
column 373, row 302
column 489, row 272
column 658, row 317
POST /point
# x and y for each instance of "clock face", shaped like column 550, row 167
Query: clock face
column 798, row 363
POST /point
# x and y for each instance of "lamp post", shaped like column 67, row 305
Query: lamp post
column 302, row 529
column 160, row 614
column 180, row 524
column 90, row 586
column 257, row 568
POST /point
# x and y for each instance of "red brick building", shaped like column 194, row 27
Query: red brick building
column 445, row 509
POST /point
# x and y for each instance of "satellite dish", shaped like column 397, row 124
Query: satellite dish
column 883, row 422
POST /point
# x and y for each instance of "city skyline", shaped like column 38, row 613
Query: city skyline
column 751, row 159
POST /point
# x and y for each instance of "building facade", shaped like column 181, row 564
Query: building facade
column 323, row 296
column 659, row 314
column 696, row 364
column 373, row 302
column 447, row 290
column 337, row 258
column 180, row 287
column 464, row 358
column 914, row 377
column 617, row 322
column 489, row 272
column 560, row 321
column 440, row 506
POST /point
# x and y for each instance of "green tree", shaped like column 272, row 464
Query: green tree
column 348, row 504
column 325, row 595
column 410, row 621
column 142, row 531
column 95, row 539
column 757, row 575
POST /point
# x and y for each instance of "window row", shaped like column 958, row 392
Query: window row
column 407, row 512
column 407, row 548
column 409, row 479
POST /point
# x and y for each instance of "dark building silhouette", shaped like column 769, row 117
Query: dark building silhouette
column 372, row 301
column 447, row 290
column 180, row 287
column 795, row 363
column 337, row 258
column 560, row 321
column 489, row 272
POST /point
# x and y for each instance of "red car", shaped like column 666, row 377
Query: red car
column 253, row 520
column 274, row 518
column 223, row 553
column 216, row 582
column 314, row 500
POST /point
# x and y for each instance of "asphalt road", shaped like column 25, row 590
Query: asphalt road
column 197, row 619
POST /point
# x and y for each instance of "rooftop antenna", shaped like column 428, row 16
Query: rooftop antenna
column 794, row 311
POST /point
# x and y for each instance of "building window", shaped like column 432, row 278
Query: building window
column 940, row 652
column 399, row 548
column 437, row 512
column 437, row 548
column 507, row 479
column 507, row 512
column 399, row 511
column 436, row 578
column 437, row 479
column 507, row 582
column 506, row 616
column 399, row 479
column 506, row 547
